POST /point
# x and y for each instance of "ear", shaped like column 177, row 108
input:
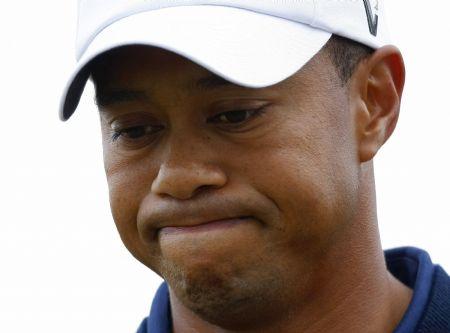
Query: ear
column 375, row 96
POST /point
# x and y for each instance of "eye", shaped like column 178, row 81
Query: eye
column 135, row 132
column 235, row 117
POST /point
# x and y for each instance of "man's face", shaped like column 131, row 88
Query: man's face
column 183, row 148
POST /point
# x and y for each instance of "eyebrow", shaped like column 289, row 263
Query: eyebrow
column 210, row 82
column 207, row 83
column 105, row 98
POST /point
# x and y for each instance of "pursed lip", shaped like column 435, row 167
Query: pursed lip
column 159, row 213
column 204, row 224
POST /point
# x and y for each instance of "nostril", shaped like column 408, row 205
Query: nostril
column 204, row 188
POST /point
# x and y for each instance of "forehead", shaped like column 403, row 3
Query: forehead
column 148, row 73
column 138, row 72
column 137, row 61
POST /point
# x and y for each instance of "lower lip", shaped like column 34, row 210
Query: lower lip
column 210, row 226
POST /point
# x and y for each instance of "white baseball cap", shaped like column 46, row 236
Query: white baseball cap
column 252, row 43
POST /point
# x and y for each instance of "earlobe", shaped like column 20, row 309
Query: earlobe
column 375, row 99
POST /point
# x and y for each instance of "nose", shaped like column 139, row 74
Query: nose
column 187, row 171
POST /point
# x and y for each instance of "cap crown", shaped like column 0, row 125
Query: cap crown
column 360, row 20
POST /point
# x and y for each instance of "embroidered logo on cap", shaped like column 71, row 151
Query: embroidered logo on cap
column 371, row 18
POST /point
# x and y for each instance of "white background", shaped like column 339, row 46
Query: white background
column 63, row 265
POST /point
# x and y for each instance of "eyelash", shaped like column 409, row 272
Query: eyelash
column 117, row 134
column 254, row 114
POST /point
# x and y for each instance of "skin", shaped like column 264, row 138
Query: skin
column 307, row 257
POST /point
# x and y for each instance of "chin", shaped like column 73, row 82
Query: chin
column 222, row 298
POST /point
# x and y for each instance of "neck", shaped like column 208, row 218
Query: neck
column 351, row 291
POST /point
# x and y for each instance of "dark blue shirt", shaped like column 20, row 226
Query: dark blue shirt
column 428, row 312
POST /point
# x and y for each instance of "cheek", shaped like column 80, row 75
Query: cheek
column 128, row 182
column 309, row 171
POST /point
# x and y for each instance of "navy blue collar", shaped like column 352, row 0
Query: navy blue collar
column 414, row 268
column 410, row 265
column 160, row 318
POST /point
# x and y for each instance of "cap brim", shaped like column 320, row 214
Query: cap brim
column 247, row 48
